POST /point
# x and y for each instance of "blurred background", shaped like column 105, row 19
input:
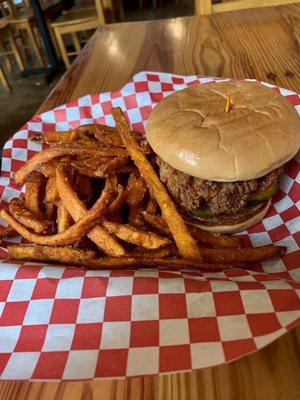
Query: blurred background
column 24, row 53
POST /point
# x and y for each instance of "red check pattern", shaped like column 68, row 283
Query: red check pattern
column 67, row 324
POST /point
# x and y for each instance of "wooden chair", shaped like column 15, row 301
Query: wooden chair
column 4, row 80
column 154, row 3
column 73, row 22
column 206, row 7
column 23, row 22
column 22, row 19
column 7, row 7
column 8, row 47
column 113, row 9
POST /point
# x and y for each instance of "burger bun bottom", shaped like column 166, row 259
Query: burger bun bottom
column 226, row 225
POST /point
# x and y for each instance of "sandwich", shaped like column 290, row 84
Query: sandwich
column 222, row 166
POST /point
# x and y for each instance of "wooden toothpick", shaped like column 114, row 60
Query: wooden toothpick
column 228, row 104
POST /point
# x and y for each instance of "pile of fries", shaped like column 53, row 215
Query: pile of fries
column 93, row 199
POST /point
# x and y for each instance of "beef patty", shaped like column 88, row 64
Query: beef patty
column 191, row 193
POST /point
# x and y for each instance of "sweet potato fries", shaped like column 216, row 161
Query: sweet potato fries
column 93, row 200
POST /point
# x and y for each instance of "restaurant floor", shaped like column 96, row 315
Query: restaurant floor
column 29, row 93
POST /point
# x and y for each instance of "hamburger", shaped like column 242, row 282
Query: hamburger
column 222, row 168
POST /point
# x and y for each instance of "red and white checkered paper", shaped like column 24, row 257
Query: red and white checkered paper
column 64, row 323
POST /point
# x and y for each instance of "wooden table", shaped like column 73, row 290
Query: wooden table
column 261, row 44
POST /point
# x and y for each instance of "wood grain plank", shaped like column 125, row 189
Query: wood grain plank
column 206, row 7
column 241, row 44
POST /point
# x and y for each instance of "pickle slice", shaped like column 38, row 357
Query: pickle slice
column 260, row 196
column 264, row 194
column 201, row 212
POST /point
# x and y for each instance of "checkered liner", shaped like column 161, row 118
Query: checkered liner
column 64, row 323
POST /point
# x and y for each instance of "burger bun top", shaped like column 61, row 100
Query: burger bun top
column 191, row 131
